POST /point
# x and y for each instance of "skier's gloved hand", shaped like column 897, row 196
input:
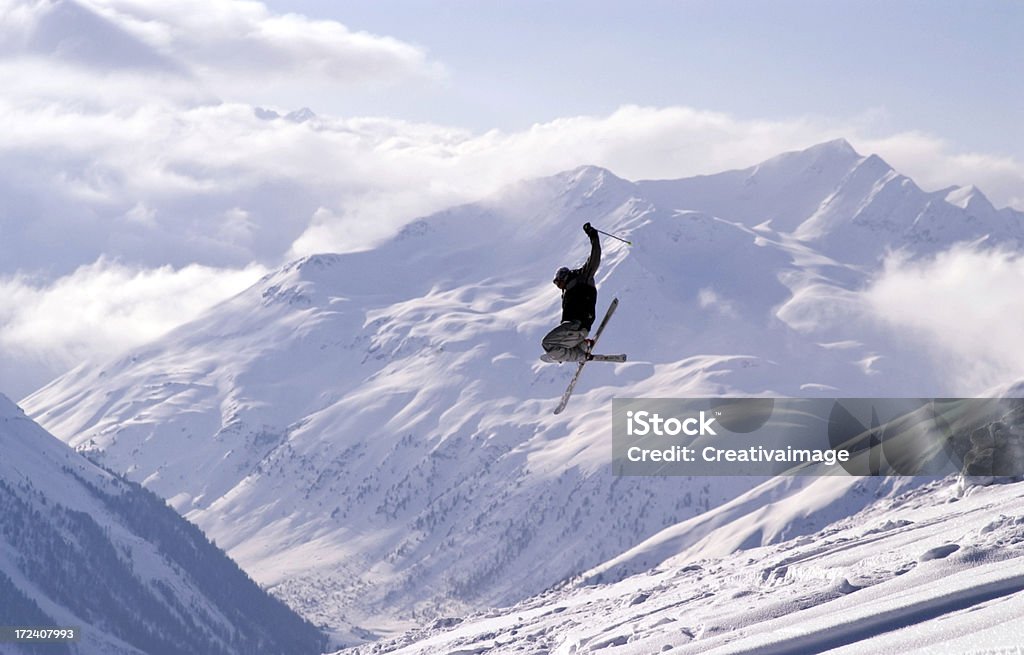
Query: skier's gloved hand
column 590, row 231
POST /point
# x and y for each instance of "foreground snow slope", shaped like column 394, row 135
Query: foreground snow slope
column 774, row 511
column 81, row 548
column 371, row 435
column 923, row 572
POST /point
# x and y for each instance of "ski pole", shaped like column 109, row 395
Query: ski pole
column 629, row 243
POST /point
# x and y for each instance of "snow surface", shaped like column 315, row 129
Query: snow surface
column 370, row 434
column 33, row 460
column 927, row 571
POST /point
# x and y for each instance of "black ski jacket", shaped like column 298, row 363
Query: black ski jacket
column 579, row 298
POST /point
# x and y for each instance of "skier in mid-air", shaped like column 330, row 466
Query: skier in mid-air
column 568, row 341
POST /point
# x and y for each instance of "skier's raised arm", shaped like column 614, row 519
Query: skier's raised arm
column 589, row 269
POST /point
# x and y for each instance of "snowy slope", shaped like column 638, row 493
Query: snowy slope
column 81, row 548
column 926, row 571
column 773, row 511
column 785, row 190
column 371, row 434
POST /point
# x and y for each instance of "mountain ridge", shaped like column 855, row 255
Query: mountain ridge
column 375, row 426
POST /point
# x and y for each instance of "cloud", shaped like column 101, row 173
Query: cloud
column 337, row 184
column 72, row 32
column 964, row 305
column 99, row 310
column 419, row 168
column 223, row 44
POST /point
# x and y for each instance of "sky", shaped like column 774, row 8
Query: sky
column 948, row 68
column 154, row 160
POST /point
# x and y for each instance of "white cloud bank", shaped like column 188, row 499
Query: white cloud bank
column 99, row 310
column 954, row 316
column 333, row 184
column 965, row 305
column 218, row 42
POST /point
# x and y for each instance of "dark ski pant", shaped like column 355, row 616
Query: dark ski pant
column 565, row 342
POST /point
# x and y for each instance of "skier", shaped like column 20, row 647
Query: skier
column 568, row 342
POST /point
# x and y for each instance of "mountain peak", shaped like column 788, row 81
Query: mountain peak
column 315, row 262
column 877, row 164
column 970, row 198
column 833, row 159
column 839, row 146
column 587, row 181
column 297, row 116
column 300, row 115
column 295, row 283
column 589, row 175
column 837, row 152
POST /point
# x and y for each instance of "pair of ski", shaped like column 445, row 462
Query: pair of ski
column 595, row 358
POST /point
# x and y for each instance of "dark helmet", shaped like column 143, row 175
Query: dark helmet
column 562, row 276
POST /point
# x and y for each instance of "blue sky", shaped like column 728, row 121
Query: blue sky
column 952, row 68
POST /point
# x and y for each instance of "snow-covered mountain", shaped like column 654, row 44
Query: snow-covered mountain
column 82, row 548
column 846, row 206
column 371, row 435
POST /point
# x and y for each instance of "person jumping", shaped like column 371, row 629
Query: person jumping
column 568, row 342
